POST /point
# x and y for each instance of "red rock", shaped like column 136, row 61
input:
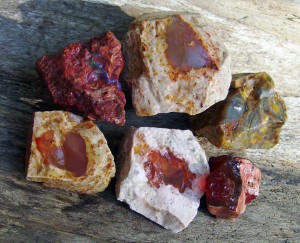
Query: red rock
column 232, row 183
column 84, row 76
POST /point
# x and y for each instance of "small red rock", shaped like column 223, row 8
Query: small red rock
column 232, row 183
column 84, row 75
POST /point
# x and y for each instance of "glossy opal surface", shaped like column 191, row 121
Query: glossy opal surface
column 250, row 117
column 232, row 183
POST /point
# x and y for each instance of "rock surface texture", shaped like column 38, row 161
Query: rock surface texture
column 250, row 117
column 85, row 75
column 67, row 152
column 232, row 183
column 29, row 29
column 175, row 63
column 162, row 175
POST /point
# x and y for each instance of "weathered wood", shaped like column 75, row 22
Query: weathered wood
column 261, row 36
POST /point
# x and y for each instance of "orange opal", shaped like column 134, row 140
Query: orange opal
column 71, row 156
column 52, row 155
column 168, row 169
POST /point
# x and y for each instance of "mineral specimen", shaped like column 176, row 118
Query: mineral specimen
column 174, row 63
column 250, row 117
column 85, row 76
column 68, row 152
column 232, row 183
column 162, row 175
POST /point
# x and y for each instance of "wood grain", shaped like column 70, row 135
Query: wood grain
column 260, row 35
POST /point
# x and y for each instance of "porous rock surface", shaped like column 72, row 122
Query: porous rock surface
column 175, row 63
column 84, row 76
column 65, row 151
column 162, row 175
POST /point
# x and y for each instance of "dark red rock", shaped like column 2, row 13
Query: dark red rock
column 232, row 183
column 84, row 76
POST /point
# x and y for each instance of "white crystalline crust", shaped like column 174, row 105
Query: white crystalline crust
column 148, row 72
column 164, row 205
column 100, row 168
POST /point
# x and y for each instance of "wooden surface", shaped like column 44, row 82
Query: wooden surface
column 261, row 36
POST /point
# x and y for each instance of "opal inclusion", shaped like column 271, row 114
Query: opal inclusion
column 185, row 49
column 52, row 155
column 175, row 63
column 70, row 156
column 75, row 154
column 169, row 169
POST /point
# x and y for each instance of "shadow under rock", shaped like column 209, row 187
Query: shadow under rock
column 203, row 207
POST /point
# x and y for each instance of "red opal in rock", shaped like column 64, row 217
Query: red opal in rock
column 232, row 183
column 162, row 175
column 52, row 155
column 75, row 154
column 85, row 76
column 70, row 156
column 169, row 169
column 68, row 152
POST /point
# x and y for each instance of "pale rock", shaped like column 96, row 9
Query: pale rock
column 175, row 63
column 49, row 162
column 162, row 175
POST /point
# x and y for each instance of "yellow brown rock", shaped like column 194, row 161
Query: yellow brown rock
column 250, row 117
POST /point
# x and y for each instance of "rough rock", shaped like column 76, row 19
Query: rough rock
column 84, row 76
column 232, row 183
column 64, row 151
column 162, row 175
column 174, row 63
column 250, row 117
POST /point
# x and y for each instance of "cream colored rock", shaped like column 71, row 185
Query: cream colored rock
column 175, row 63
column 162, row 175
column 47, row 159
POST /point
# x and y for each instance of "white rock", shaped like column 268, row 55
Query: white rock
column 160, row 199
column 178, row 80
